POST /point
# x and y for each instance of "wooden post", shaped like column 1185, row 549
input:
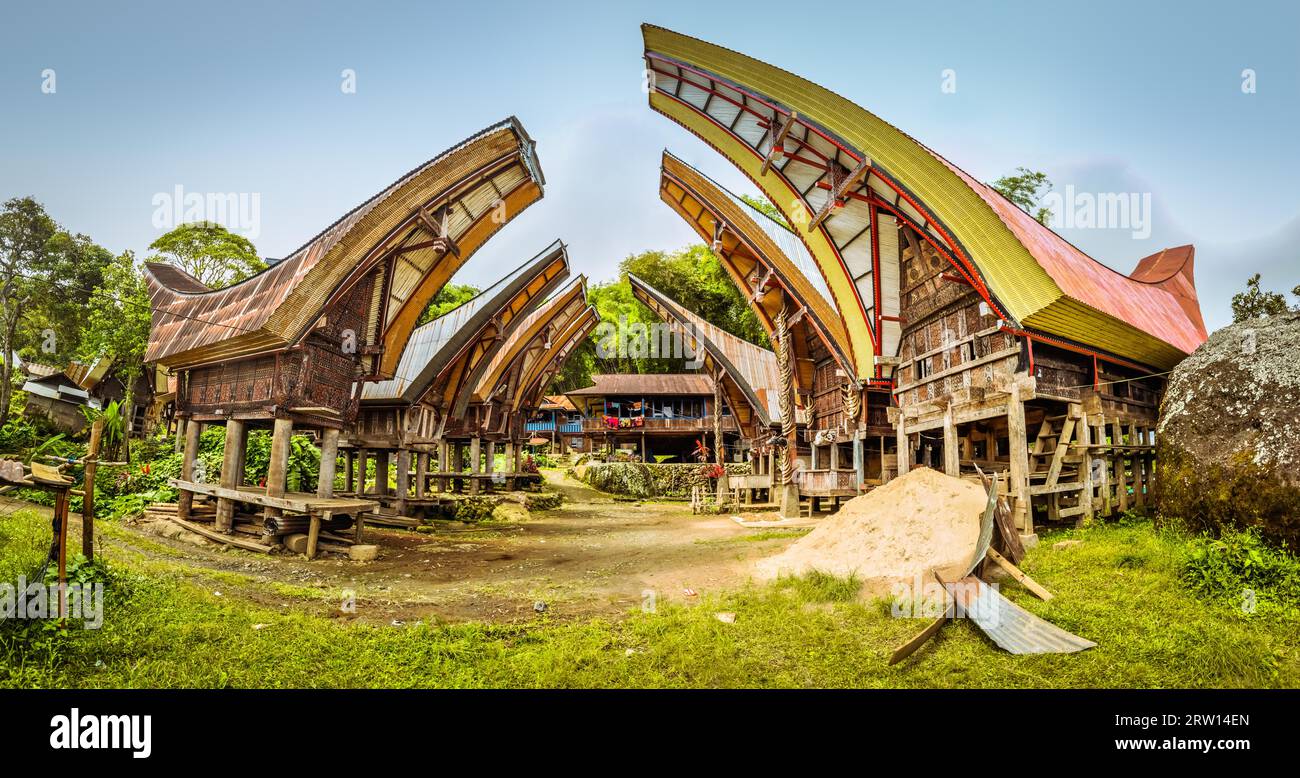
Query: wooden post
column 382, row 460
column 475, row 462
column 185, row 501
column 1085, row 440
column 180, row 434
column 232, row 457
column 904, row 452
column 444, row 454
column 88, row 496
column 951, row 453
column 313, row 531
column 363, row 455
column 348, row 470
column 859, row 458
column 1103, row 487
column 1023, row 511
column 278, row 467
column 421, row 475
column 1137, row 438
column 329, row 460
column 1121, row 481
column 403, row 480
column 61, row 516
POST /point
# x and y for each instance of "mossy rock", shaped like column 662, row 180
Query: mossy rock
column 1228, row 450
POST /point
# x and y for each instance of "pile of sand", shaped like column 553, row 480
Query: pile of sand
column 921, row 522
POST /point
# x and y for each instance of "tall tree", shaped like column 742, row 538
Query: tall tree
column 1026, row 188
column 117, row 325
column 25, row 267
column 214, row 255
column 76, row 267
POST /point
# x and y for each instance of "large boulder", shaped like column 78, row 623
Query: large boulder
column 1229, row 436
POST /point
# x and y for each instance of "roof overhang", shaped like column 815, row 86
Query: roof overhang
column 848, row 181
column 418, row 231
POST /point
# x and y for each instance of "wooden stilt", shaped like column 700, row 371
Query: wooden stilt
column 403, row 480
column 421, row 475
column 1019, row 466
column 383, row 461
column 475, row 462
column 185, row 501
column 88, row 490
column 904, row 453
column 363, row 464
column 329, row 460
column 278, row 467
column 951, row 453
column 231, row 466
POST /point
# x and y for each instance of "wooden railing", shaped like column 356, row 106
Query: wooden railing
column 827, row 482
column 656, row 424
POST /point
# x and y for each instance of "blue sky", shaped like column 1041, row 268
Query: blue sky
column 233, row 97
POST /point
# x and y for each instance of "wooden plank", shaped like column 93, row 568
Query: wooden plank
column 1019, row 575
column 1058, row 456
column 218, row 537
column 1055, row 488
column 299, row 502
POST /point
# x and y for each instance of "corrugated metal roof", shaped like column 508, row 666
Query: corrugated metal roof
column 1040, row 279
column 1013, row 628
column 552, row 316
column 752, row 367
column 454, row 329
column 609, row 384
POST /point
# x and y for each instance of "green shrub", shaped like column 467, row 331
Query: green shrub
column 1238, row 567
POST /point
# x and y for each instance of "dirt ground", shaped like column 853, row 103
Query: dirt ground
column 592, row 556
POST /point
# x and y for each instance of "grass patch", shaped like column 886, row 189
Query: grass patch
column 1123, row 587
column 817, row 586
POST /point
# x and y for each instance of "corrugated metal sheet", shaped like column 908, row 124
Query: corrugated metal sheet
column 1013, row 628
column 453, row 329
column 552, row 315
column 1028, row 268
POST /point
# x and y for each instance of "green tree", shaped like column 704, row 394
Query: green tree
column 75, row 265
column 1255, row 302
column 1026, row 189
column 764, row 205
column 118, row 322
column 214, row 255
column 25, row 271
column 448, row 298
column 692, row 276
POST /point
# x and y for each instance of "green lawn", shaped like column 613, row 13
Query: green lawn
column 1120, row 588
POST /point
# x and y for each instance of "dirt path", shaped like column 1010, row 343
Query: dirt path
column 593, row 556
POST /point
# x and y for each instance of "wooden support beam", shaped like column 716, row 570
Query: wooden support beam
column 231, row 461
column 1121, row 476
column 91, row 461
column 329, row 460
column 475, row 462
column 839, row 188
column 1058, row 455
column 278, row 468
column 403, row 479
column 185, row 500
column 421, row 475
column 951, row 453
column 1019, row 465
column 778, row 143
column 363, row 464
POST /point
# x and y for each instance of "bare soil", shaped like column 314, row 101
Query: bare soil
column 594, row 556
